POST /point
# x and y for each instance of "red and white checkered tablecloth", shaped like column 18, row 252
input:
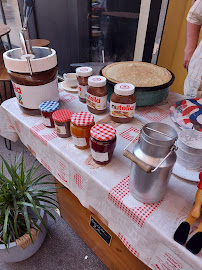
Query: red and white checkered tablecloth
column 146, row 230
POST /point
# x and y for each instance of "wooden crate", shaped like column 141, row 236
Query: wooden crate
column 115, row 255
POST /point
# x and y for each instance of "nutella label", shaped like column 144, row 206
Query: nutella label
column 82, row 91
column 122, row 110
column 46, row 122
column 98, row 103
column 100, row 156
column 79, row 141
column 31, row 96
column 61, row 130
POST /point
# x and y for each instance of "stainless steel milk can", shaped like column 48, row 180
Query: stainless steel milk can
column 152, row 162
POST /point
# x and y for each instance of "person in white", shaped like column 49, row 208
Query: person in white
column 193, row 53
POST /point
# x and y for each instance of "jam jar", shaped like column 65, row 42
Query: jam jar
column 83, row 73
column 122, row 103
column 47, row 109
column 97, row 94
column 62, row 122
column 80, row 126
column 102, row 143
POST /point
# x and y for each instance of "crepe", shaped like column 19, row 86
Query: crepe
column 140, row 74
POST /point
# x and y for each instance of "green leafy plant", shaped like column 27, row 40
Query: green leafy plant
column 22, row 195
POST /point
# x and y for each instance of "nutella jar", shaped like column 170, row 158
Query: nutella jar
column 62, row 122
column 80, row 126
column 33, row 89
column 47, row 109
column 83, row 73
column 102, row 143
column 97, row 94
column 122, row 103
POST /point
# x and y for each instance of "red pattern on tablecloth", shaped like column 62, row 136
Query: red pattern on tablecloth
column 44, row 138
column 138, row 214
column 45, row 165
column 67, row 98
column 152, row 113
column 11, row 127
column 130, row 133
column 62, row 171
column 125, row 242
column 39, row 127
column 78, row 180
column 17, row 125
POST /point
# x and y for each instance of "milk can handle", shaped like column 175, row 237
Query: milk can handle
column 147, row 168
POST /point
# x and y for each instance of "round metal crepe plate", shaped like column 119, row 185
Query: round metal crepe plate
column 142, row 75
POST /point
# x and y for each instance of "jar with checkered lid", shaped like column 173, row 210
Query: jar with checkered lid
column 102, row 143
column 47, row 109
column 80, row 126
column 62, row 122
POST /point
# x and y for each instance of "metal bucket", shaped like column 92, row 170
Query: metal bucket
column 152, row 162
column 189, row 153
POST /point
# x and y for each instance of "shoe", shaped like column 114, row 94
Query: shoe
column 195, row 243
column 182, row 233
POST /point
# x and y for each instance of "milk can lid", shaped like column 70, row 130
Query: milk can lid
column 159, row 134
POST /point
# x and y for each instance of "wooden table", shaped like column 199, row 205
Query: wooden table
column 40, row 42
column 4, row 29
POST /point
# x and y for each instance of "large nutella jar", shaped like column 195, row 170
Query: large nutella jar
column 97, row 94
column 42, row 85
column 83, row 73
column 122, row 103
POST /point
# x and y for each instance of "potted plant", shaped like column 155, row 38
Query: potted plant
column 25, row 201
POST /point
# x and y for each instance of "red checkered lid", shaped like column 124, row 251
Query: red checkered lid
column 103, row 132
column 62, row 115
column 82, row 119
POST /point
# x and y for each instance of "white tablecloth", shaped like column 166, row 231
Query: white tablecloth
column 146, row 230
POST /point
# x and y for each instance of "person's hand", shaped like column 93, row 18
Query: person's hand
column 188, row 52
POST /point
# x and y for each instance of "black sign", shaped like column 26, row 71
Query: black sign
column 99, row 230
